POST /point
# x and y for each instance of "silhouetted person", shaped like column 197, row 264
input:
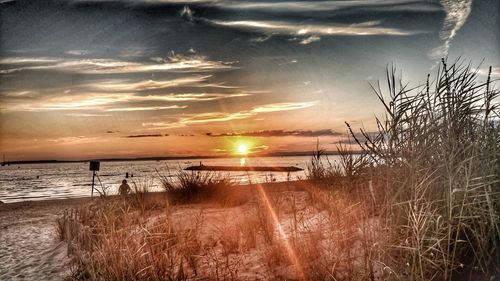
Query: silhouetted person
column 124, row 188
column 126, row 175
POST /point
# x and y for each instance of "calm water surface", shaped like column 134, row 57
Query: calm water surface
column 66, row 180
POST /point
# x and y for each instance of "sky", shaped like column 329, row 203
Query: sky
column 84, row 79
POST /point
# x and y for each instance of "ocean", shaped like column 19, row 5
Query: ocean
column 67, row 180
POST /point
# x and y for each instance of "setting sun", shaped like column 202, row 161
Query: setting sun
column 243, row 149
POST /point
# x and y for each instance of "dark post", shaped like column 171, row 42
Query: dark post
column 93, row 177
column 94, row 166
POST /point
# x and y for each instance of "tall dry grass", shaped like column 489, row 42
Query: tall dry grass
column 437, row 161
column 133, row 238
column 195, row 187
column 113, row 241
column 428, row 180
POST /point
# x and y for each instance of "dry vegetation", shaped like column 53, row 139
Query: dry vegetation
column 421, row 202
column 196, row 187
column 437, row 160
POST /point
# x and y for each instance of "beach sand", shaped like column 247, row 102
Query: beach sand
column 29, row 247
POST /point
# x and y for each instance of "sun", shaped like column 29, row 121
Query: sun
column 243, row 149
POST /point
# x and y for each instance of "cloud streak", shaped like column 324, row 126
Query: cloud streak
column 87, row 115
column 120, row 85
column 287, row 22
column 74, row 140
column 284, row 106
column 308, row 30
column 280, row 133
column 172, row 63
column 112, row 102
column 118, row 95
column 89, row 101
column 457, row 12
column 323, row 6
column 211, row 117
column 145, row 108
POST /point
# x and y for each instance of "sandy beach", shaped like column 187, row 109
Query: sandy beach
column 30, row 249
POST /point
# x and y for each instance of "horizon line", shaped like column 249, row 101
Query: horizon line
column 176, row 157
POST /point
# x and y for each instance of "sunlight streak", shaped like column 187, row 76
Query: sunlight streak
column 290, row 253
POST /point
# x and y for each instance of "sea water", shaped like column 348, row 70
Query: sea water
column 66, row 180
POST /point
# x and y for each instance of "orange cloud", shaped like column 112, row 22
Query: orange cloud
column 210, row 117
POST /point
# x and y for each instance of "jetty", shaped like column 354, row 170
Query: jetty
column 244, row 168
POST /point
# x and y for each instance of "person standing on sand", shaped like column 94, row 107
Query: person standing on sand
column 124, row 188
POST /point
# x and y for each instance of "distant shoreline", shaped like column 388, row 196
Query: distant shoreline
column 161, row 158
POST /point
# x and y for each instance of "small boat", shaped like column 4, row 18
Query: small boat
column 244, row 168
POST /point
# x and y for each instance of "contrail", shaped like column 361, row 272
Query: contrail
column 457, row 12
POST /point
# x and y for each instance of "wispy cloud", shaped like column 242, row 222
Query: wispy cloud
column 200, row 118
column 28, row 60
column 145, row 108
column 195, row 97
column 285, row 106
column 77, row 52
column 71, row 102
column 323, row 6
column 310, row 40
column 90, row 101
column 74, row 140
column 20, row 94
column 215, row 117
column 120, row 85
column 308, row 30
column 280, row 133
column 107, row 101
column 457, row 12
column 200, row 83
column 87, row 115
column 286, row 22
column 172, row 63
column 211, row 117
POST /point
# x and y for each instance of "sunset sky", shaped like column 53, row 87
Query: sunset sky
column 139, row 78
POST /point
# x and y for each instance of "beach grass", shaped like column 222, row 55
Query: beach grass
column 436, row 158
column 200, row 186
